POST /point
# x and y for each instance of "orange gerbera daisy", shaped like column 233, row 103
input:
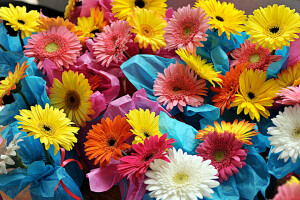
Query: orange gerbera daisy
column 229, row 85
column 242, row 130
column 106, row 140
column 290, row 76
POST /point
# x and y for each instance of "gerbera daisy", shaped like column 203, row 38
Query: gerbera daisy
column 273, row 27
column 225, row 94
column 123, row 8
column 223, row 16
column 138, row 162
column 11, row 81
column 58, row 44
column 185, row 177
column 110, row 45
column 186, row 29
column 19, row 19
column 144, row 124
column 243, row 130
column 203, row 69
column 179, row 86
column 50, row 125
column 70, row 7
column 289, row 76
column 259, row 58
column 149, row 28
column 285, row 136
column 224, row 151
column 72, row 95
column 107, row 140
column 255, row 94
column 288, row 192
column 289, row 96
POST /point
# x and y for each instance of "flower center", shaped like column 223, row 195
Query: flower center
column 254, row 58
column 72, row 99
column 148, row 156
column 176, row 89
column 219, row 155
column 251, row 95
column 274, row 29
column 146, row 134
column 112, row 142
column 220, row 18
column 147, row 30
column 51, row 47
column 78, row 3
column 187, row 31
column 21, row 21
column 139, row 3
column 181, row 178
column 46, row 128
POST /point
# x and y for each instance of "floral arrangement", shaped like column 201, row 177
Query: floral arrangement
column 201, row 102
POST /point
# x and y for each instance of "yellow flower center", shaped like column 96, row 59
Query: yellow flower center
column 51, row 47
column 181, row 178
column 147, row 31
column 139, row 3
column 72, row 99
column 297, row 132
column 187, row 30
column 47, row 128
column 176, row 89
column 254, row 58
column 219, row 155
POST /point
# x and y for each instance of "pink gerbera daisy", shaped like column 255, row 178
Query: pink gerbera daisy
column 186, row 29
column 288, row 192
column 110, row 44
column 137, row 163
column 225, row 153
column 289, row 96
column 259, row 58
column 179, row 86
column 58, row 44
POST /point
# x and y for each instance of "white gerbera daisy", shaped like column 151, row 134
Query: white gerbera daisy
column 286, row 133
column 186, row 177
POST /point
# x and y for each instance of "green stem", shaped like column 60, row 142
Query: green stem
column 3, row 48
column 123, row 153
column 126, row 54
column 47, row 155
column 21, row 40
column 24, row 98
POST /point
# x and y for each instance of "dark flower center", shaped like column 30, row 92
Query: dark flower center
column 220, row 18
column 21, row 21
column 175, row 89
column 274, row 29
column 112, row 142
column 72, row 100
column 46, row 128
column 96, row 31
column 146, row 134
column 251, row 95
column 139, row 3
column 148, row 156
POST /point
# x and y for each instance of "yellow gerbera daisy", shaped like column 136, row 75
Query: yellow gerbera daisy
column 242, row 130
column 19, row 19
column 50, row 125
column 203, row 69
column 272, row 27
column 289, row 76
column 149, row 28
column 11, row 81
column 144, row 124
column 123, row 8
column 73, row 95
column 223, row 16
column 255, row 94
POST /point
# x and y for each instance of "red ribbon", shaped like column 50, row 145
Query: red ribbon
column 63, row 164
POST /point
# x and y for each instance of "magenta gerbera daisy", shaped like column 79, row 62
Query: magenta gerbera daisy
column 289, row 96
column 225, row 153
column 179, row 86
column 110, row 44
column 259, row 58
column 186, row 29
column 58, row 44
column 137, row 163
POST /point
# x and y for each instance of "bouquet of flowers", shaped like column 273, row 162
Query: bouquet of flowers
column 201, row 102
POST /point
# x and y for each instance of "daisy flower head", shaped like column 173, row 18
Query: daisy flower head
column 107, row 140
column 111, row 43
column 144, row 124
column 255, row 94
column 58, row 44
column 145, row 153
column 11, row 81
column 73, row 95
column 285, row 135
column 243, row 130
column 203, row 69
column 289, row 76
column 123, row 8
column 70, row 7
column 273, row 27
column 223, row 16
column 226, row 91
column 19, row 19
column 288, row 192
column 289, row 96
column 258, row 58
column 50, row 125
column 184, row 177
column 149, row 28
column 186, row 29
column 179, row 86
column 225, row 152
